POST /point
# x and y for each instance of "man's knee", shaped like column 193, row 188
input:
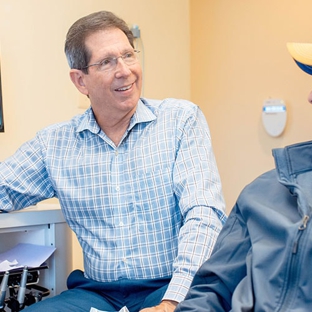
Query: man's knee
column 77, row 300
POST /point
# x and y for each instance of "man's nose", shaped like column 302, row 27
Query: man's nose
column 121, row 67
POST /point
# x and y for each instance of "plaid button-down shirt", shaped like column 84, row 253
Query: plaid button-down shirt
column 151, row 207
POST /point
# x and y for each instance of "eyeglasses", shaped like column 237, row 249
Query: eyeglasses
column 110, row 63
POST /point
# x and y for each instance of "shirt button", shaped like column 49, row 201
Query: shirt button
column 117, row 188
column 124, row 260
column 121, row 224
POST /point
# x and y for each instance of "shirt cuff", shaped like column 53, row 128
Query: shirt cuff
column 178, row 288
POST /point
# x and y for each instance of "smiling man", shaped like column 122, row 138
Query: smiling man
column 136, row 179
column 112, row 84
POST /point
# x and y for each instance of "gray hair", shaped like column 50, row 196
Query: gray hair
column 76, row 52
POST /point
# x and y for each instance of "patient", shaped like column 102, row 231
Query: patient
column 262, row 258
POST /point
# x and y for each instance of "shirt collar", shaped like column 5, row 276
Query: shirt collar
column 142, row 114
column 88, row 122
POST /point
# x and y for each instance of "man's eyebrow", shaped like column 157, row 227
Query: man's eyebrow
column 105, row 57
column 111, row 55
column 123, row 51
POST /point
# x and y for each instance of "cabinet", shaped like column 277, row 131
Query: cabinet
column 42, row 225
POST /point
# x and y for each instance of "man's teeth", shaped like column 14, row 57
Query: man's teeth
column 125, row 88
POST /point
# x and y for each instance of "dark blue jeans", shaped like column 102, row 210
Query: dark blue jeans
column 83, row 293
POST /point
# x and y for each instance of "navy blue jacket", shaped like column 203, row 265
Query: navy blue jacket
column 262, row 260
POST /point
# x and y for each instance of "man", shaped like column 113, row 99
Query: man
column 263, row 255
column 136, row 180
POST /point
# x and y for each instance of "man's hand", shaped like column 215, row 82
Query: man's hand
column 164, row 306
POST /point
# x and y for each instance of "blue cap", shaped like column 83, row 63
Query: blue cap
column 302, row 54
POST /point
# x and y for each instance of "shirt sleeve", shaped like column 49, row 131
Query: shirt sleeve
column 198, row 189
column 23, row 178
column 214, row 283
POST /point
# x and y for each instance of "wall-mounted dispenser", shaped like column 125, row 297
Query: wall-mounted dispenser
column 274, row 116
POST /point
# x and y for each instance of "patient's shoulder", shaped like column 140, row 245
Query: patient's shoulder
column 265, row 191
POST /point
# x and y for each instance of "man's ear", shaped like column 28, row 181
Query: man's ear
column 77, row 77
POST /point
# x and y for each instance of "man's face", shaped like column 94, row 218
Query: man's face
column 116, row 92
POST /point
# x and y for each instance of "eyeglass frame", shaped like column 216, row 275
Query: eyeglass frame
column 136, row 52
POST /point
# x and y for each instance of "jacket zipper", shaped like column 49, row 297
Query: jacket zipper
column 293, row 268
